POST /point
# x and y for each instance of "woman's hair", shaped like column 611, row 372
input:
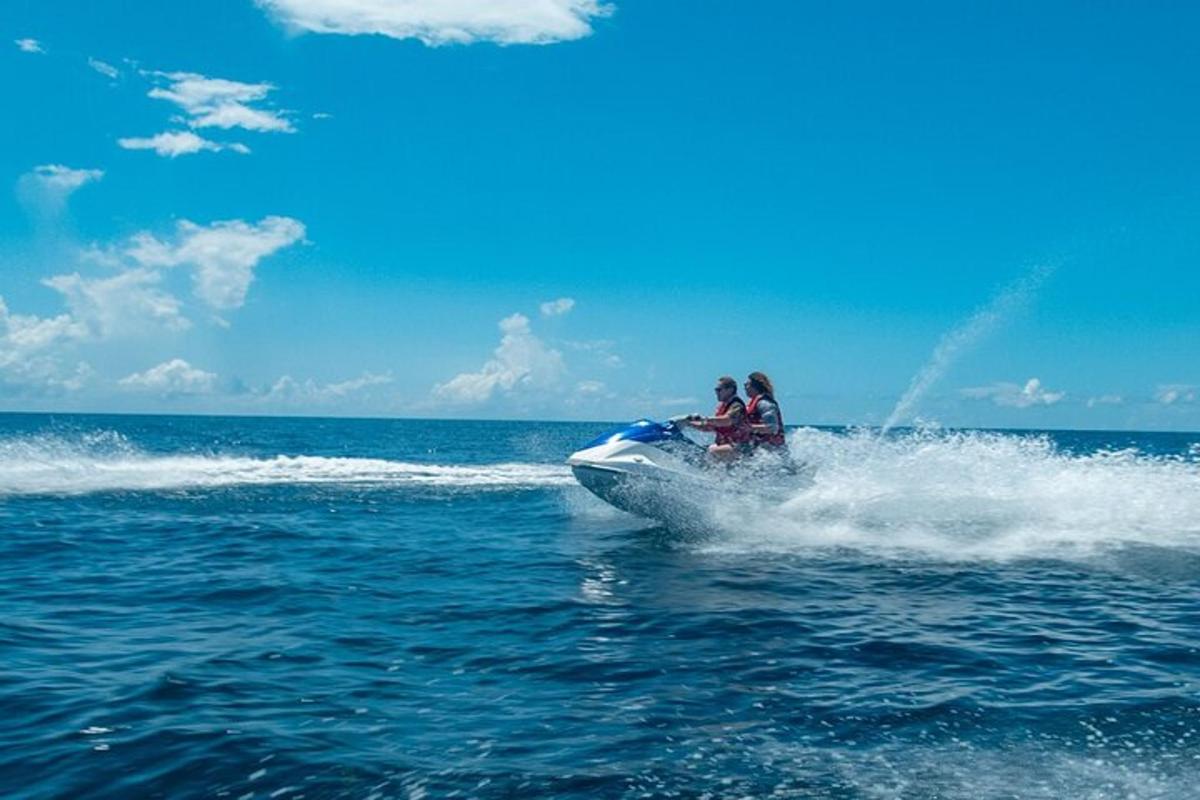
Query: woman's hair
column 762, row 383
column 726, row 381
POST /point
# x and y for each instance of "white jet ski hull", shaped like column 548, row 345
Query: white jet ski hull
column 638, row 478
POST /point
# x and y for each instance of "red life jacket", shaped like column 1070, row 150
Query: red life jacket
column 737, row 432
column 755, row 418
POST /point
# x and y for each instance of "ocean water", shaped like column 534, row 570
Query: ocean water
column 278, row 608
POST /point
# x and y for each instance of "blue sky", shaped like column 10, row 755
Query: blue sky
column 361, row 207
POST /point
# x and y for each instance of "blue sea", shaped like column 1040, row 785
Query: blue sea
column 205, row 607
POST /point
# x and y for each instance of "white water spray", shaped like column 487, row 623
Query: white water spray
column 970, row 495
column 45, row 464
column 1007, row 302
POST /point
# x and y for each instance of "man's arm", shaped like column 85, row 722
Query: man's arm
column 729, row 419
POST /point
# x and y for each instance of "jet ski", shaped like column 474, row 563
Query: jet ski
column 653, row 469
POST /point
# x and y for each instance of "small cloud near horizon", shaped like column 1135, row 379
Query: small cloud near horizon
column 129, row 301
column 288, row 389
column 1175, row 394
column 170, row 378
column 522, row 362
column 1014, row 395
column 1106, row 400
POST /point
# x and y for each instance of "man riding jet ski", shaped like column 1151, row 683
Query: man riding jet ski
column 728, row 422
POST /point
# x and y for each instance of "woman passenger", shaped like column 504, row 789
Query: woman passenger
column 763, row 416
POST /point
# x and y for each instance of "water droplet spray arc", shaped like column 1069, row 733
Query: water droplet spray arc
column 1007, row 302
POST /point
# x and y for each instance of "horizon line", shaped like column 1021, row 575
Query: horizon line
column 819, row 426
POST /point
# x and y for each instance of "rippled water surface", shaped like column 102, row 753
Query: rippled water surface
column 206, row 607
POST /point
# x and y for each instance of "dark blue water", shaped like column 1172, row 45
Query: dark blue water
column 204, row 607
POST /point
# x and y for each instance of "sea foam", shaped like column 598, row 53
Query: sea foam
column 47, row 464
column 970, row 494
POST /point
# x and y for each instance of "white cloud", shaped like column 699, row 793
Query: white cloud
column 357, row 384
column 557, row 308
column 1175, row 393
column 590, row 387
column 29, row 45
column 30, row 357
column 178, row 143
column 220, row 103
column 522, row 362
column 289, row 389
column 125, row 304
column 172, row 377
column 105, row 69
column 439, row 22
column 207, row 103
column 1016, row 396
column 132, row 301
column 598, row 349
column 28, row 334
column 44, row 375
column 222, row 255
column 1105, row 400
column 65, row 178
column 47, row 187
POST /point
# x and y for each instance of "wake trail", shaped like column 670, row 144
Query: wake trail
column 54, row 465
